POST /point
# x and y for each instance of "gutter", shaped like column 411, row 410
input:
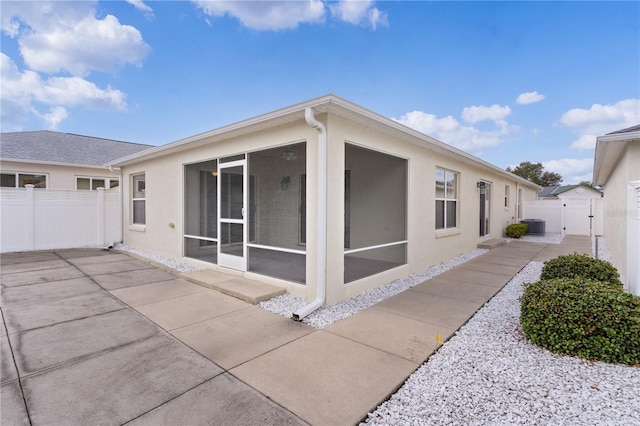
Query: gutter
column 118, row 170
column 321, row 286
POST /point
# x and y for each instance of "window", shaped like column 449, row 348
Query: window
column 506, row 196
column 93, row 183
column 138, row 199
column 446, row 199
column 19, row 180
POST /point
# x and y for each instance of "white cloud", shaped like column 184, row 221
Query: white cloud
column 141, row 6
column 270, row 15
column 58, row 39
column 529, row 98
column 266, row 15
column 67, row 36
column 358, row 12
column 599, row 120
column 572, row 170
column 451, row 131
column 475, row 114
column 22, row 93
column 54, row 117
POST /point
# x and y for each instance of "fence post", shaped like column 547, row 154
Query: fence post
column 101, row 223
column 30, row 214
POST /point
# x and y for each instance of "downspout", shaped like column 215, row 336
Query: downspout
column 321, row 287
column 120, row 201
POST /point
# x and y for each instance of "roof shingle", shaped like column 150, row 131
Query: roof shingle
column 67, row 148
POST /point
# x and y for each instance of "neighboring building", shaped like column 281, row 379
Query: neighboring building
column 617, row 170
column 322, row 194
column 57, row 160
column 568, row 191
column 568, row 209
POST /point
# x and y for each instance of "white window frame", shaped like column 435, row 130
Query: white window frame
column 17, row 178
column 107, row 182
column 445, row 199
column 507, row 197
column 135, row 199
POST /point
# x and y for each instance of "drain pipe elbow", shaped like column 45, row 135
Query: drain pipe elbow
column 322, row 218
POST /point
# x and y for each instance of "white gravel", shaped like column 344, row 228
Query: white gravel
column 286, row 304
column 166, row 261
column 488, row 374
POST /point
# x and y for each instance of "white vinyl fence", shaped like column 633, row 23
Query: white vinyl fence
column 571, row 216
column 41, row 219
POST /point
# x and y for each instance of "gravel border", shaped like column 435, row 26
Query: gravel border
column 166, row 261
column 489, row 374
column 286, row 304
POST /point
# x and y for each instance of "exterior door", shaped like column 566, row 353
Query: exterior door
column 485, row 208
column 577, row 216
column 232, row 226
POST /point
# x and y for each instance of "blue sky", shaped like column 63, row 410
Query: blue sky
column 506, row 81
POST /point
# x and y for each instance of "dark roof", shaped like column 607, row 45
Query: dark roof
column 555, row 190
column 627, row 130
column 547, row 191
column 67, row 148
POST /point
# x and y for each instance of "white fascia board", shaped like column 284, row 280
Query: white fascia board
column 325, row 104
column 608, row 151
column 424, row 140
column 242, row 127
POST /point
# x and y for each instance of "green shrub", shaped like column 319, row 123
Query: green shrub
column 516, row 230
column 581, row 266
column 589, row 319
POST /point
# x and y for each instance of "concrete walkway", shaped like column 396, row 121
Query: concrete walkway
column 95, row 337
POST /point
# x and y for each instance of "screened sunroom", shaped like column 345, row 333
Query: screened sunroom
column 247, row 212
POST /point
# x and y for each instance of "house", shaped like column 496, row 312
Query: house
column 48, row 190
column 325, row 198
column 568, row 209
column 55, row 160
column 617, row 170
column 554, row 192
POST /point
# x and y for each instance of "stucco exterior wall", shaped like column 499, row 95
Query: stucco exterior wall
column 165, row 194
column 59, row 177
column 426, row 246
column 616, row 210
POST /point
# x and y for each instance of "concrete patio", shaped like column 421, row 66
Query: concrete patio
column 91, row 336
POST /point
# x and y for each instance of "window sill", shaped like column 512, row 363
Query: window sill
column 447, row 232
column 137, row 228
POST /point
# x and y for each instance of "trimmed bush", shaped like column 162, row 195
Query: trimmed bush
column 516, row 230
column 581, row 266
column 584, row 318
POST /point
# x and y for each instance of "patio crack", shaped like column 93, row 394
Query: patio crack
column 15, row 365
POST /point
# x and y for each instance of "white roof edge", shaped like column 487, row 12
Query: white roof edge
column 327, row 101
column 54, row 163
column 172, row 146
column 426, row 138
column 623, row 137
column 602, row 142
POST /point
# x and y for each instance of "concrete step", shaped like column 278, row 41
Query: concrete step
column 492, row 243
column 248, row 290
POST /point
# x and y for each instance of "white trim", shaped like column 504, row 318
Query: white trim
column 215, row 240
column 282, row 249
column 395, row 243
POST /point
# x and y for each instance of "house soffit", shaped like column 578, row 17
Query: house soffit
column 609, row 149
